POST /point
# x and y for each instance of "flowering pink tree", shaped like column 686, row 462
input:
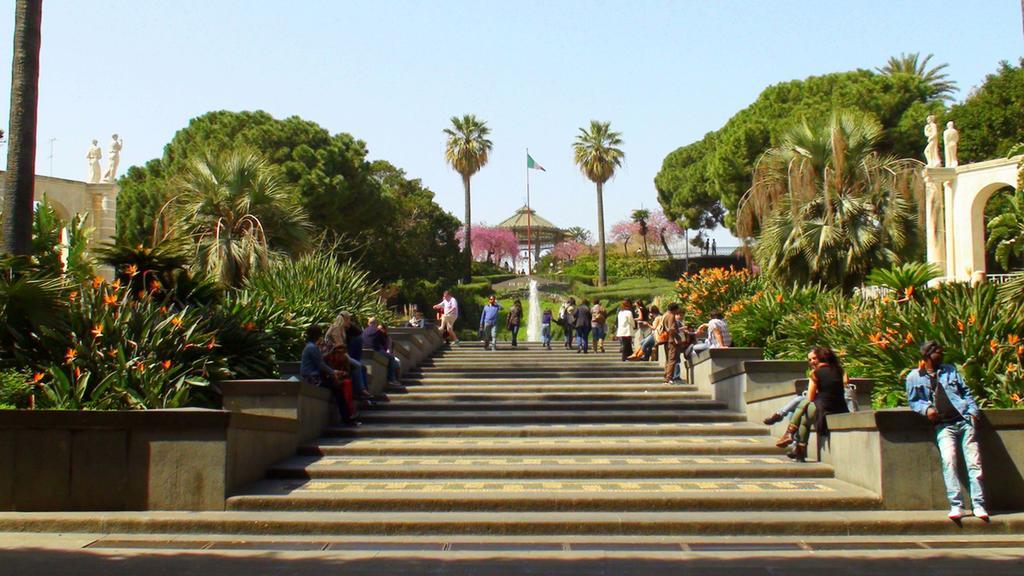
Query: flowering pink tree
column 569, row 250
column 623, row 231
column 660, row 227
column 491, row 243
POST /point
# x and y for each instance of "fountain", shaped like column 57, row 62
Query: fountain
column 533, row 320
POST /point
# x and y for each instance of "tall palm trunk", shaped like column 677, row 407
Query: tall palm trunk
column 468, row 276
column 602, row 275
column 21, row 151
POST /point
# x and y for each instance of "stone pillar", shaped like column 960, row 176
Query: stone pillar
column 939, row 185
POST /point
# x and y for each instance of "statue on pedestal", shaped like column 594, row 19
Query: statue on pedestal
column 114, row 155
column 931, row 151
column 951, row 143
column 93, row 156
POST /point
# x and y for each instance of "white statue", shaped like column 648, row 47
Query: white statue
column 931, row 151
column 951, row 142
column 94, row 156
column 114, row 156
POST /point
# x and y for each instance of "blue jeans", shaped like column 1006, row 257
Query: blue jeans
column 950, row 436
column 392, row 366
column 514, row 329
column 357, row 374
column 599, row 331
column 545, row 334
column 647, row 345
column 583, row 338
column 490, row 331
column 791, row 406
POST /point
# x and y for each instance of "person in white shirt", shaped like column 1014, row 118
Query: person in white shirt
column 718, row 334
column 626, row 326
column 449, row 309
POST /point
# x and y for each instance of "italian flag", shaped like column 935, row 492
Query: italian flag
column 531, row 163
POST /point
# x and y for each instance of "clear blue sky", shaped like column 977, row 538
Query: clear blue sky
column 392, row 73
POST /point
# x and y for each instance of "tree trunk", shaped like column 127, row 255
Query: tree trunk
column 468, row 276
column 602, row 274
column 625, row 247
column 647, row 258
column 21, row 150
column 664, row 244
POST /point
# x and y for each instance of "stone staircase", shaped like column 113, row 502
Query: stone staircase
column 530, row 451
column 531, row 435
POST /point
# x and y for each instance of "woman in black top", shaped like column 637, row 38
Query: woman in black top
column 825, row 395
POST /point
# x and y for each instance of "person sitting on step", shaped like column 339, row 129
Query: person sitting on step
column 825, row 395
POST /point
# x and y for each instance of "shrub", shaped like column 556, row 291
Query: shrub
column 15, row 389
column 290, row 294
column 759, row 320
column 713, row 289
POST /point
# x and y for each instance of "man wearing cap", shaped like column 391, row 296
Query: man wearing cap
column 938, row 392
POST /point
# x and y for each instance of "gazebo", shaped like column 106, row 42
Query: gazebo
column 533, row 231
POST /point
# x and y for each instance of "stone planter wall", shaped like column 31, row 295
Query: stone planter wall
column 134, row 460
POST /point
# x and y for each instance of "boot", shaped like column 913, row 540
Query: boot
column 800, row 452
column 600, row 345
column 787, row 437
column 775, row 417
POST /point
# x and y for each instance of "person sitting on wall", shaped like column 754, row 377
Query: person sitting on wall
column 938, row 392
column 416, row 320
column 314, row 369
column 376, row 335
column 825, row 395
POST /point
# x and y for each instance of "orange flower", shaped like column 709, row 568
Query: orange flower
column 116, row 284
column 97, row 281
column 1020, row 350
column 78, row 372
column 1011, row 368
column 212, row 343
column 164, row 309
column 778, row 298
column 154, row 285
column 909, row 338
column 97, row 331
column 70, row 355
column 141, row 294
column 935, row 300
column 110, row 299
column 971, row 320
column 1012, row 339
column 1015, row 397
column 112, row 352
column 993, row 345
column 176, row 321
column 910, row 291
column 960, row 325
column 131, row 270
column 37, row 377
column 249, row 326
column 73, row 295
column 166, row 364
column 140, row 367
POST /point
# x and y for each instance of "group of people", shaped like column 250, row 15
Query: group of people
column 334, row 360
column 935, row 389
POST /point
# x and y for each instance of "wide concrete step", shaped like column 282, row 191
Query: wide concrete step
column 547, row 417
column 422, row 395
column 537, row 380
column 534, row 495
column 504, row 430
column 476, row 370
column 544, row 445
column 498, row 361
column 416, row 403
column 553, row 387
column 561, row 467
column 554, row 526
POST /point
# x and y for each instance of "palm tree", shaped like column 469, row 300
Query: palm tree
column 467, row 151
column 238, row 212
column 1006, row 231
column 640, row 217
column 578, row 234
column 828, row 208
column 935, row 80
column 596, row 151
column 21, row 151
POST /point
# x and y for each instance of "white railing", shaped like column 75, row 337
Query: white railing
column 1002, row 278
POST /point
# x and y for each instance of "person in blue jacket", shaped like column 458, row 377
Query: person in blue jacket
column 938, row 392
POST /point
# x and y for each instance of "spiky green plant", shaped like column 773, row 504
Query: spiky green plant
column 934, row 80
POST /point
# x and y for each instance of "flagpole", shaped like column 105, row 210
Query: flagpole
column 529, row 229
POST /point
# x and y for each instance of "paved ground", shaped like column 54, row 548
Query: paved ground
column 24, row 554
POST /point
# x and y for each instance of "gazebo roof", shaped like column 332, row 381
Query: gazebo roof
column 537, row 222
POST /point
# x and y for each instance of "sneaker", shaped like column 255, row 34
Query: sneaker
column 980, row 513
column 456, row 343
column 956, row 513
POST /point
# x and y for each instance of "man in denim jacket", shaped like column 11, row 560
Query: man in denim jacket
column 938, row 392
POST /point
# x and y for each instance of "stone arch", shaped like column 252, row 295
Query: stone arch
column 956, row 233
